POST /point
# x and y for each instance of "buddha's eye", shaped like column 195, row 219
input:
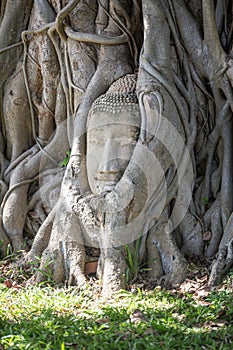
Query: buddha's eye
column 97, row 142
column 93, row 142
column 128, row 142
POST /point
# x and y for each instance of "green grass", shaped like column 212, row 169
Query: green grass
column 57, row 318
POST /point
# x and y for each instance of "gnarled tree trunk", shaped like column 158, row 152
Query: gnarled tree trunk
column 174, row 200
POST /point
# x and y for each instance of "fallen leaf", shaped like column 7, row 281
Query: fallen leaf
column 221, row 313
column 215, row 325
column 73, row 345
column 8, row 283
column 16, row 286
column 200, row 294
column 178, row 316
column 124, row 335
column 91, row 267
column 202, row 279
column 150, row 331
column 102, row 320
column 189, row 286
column 137, row 316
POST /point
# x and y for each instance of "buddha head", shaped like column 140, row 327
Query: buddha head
column 112, row 131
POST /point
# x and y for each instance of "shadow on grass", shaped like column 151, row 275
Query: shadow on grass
column 178, row 326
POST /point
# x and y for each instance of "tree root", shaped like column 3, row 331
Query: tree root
column 224, row 259
column 4, row 242
column 16, row 204
column 222, row 264
column 41, row 240
column 212, row 219
column 63, row 263
column 114, row 270
column 192, row 240
column 172, row 261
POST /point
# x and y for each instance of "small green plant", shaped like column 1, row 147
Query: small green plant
column 132, row 260
column 9, row 252
column 65, row 161
column 45, row 272
column 205, row 200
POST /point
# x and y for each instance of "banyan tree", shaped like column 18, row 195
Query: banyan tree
column 116, row 137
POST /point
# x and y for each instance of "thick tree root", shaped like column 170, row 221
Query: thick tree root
column 74, row 261
column 4, row 242
column 222, row 264
column 224, row 259
column 16, row 206
column 114, row 270
column 63, row 263
column 172, row 261
column 192, row 241
column 41, row 240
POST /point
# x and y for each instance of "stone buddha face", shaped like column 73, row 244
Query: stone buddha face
column 111, row 138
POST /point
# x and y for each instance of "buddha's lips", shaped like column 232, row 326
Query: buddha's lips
column 107, row 183
column 109, row 178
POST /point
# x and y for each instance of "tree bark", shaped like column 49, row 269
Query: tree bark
column 56, row 60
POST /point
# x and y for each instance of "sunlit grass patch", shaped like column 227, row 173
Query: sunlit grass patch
column 57, row 318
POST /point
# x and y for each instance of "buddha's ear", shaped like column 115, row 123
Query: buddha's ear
column 151, row 107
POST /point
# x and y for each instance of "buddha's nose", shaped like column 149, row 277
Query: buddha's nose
column 110, row 163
